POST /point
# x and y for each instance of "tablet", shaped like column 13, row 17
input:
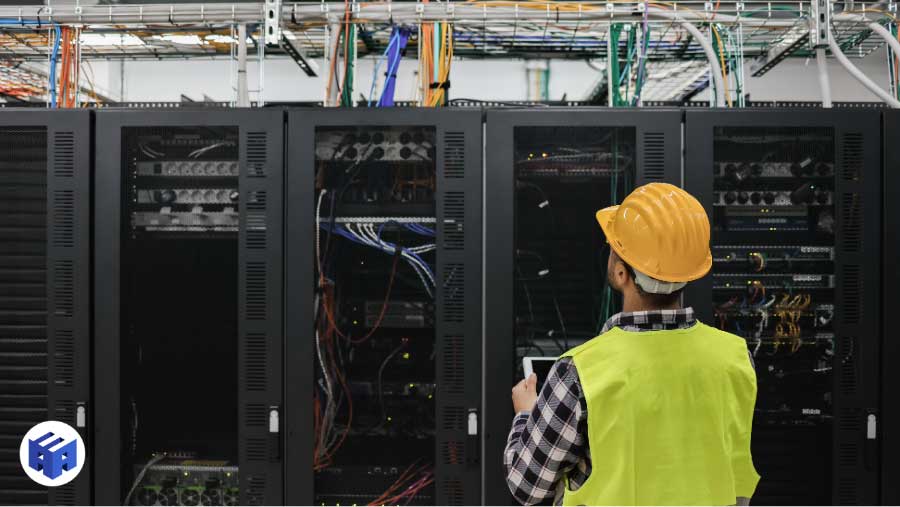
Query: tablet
column 540, row 366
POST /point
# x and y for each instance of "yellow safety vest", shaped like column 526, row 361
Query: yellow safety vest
column 669, row 418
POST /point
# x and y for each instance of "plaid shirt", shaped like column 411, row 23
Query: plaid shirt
column 550, row 442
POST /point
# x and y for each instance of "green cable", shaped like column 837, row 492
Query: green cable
column 642, row 72
column 615, row 32
column 628, row 51
column 350, row 44
column 891, row 62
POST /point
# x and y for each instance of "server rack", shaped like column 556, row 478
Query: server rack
column 143, row 193
column 45, row 289
column 448, row 143
column 821, row 240
column 654, row 140
column 890, row 377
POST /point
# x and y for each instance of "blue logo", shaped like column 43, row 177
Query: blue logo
column 52, row 453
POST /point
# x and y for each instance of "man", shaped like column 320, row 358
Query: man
column 658, row 409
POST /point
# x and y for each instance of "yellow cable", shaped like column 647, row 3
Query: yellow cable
column 722, row 61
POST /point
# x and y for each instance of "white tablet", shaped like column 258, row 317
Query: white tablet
column 538, row 365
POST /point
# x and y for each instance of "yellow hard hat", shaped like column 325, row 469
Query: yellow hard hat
column 661, row 231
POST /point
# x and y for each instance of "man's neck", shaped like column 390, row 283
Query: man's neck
column 636, row 304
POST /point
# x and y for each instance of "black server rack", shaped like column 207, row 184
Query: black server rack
column 794, row 202
column 188, row 307
column 890, row 376
column 45, row 290
column 383, row 344
column 547, row 172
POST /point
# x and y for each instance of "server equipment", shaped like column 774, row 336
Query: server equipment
column 548, row 172
column 383, row 307
column 45, row 267
column 794, row 203
column 890, row 374
column 188, row 302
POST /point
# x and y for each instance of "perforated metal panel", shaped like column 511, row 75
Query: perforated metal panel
column 260, row 300
column 859, row 248
column 654, row 162
column 458, row 312
column 44, row 288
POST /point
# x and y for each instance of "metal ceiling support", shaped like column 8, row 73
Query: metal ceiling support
column 273, row 22
column 309, row 66
column 790, row 44
column 369, row 12
column 821, row 23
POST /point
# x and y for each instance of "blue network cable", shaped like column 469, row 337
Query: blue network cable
column 53, row 55
column 394, row 40
column 394, row 55
column 419, row 229
column 340, row 231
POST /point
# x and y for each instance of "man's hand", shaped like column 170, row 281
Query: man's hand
column 524, row 394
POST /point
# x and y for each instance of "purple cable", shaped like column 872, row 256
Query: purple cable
column 393, row 64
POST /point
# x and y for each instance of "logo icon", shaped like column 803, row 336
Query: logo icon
column 52, row 453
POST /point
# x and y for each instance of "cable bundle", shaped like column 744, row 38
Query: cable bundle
column 365, row 234
column 333, row 390
column 68, row 79
column 392, row 54
column 54, row 53
column 436, row 40
column 346, row 37
column 409, row 484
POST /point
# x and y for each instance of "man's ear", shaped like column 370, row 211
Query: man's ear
column 620, row 273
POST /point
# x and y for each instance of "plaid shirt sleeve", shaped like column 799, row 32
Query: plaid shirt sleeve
column 548, row 442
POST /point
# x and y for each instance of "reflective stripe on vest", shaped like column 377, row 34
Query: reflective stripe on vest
column 669, row 418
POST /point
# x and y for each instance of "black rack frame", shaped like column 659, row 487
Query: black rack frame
column 658, row 144
column 458, row 319
column 857, row 247
column 68, row 227
column 260, row 278
column 890, row 347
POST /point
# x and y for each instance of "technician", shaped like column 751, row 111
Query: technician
column 657, row 409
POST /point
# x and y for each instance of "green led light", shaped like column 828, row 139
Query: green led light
column 406, row 355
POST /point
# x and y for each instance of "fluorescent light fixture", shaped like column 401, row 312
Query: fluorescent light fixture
column 110, row 39
column 187, row 40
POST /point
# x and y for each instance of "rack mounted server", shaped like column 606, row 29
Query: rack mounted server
column 794, row 203
column 383, row 265
column 548, row 172
column 45, row 269
column 188, row 307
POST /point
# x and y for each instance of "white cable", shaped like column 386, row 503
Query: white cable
column 824, row 82
column 319, row 230
column 369, row 230
column 714, row 67
column 862, row 78
column 410, row 259
column 137, row 480
column 421, row 271
column 243, row 91
column 201, row 151
column 328, row 393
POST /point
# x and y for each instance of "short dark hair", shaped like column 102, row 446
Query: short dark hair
column 654, row 300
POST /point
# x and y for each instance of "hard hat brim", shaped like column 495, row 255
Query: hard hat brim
column 606, row 217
